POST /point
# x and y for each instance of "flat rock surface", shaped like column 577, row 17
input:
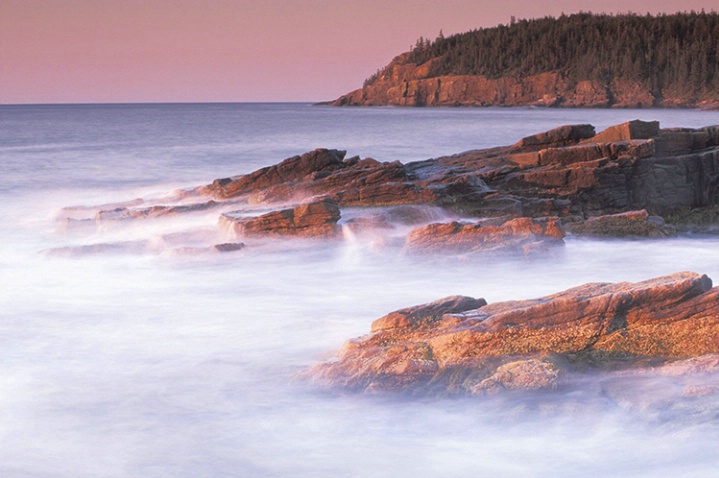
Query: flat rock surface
column 459, row 345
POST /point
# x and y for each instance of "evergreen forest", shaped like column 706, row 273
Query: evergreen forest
column 678, row 52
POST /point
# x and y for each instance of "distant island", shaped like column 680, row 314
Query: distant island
column 580, row 60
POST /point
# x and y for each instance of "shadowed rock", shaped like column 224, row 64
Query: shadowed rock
column 627, row 224
column 567, row 172
column 228, row 247
column 530, row 343
column 557, row 137
column 627, row 131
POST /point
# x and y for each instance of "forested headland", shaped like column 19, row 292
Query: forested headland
column 666, row 60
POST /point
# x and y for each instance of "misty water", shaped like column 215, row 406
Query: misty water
column 155, row 364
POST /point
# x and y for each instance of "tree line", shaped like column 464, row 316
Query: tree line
column 677, row 52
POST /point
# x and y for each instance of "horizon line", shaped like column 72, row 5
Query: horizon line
column 120, row 103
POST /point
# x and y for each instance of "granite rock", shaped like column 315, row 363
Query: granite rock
column 460, row 346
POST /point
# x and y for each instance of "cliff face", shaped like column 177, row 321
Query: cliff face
column 406, row 84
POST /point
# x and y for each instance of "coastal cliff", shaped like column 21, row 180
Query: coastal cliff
column 582, row 60
column 402, row 84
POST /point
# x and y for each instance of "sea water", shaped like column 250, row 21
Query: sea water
column 160, row 365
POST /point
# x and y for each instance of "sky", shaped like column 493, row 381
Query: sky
column 116, row 51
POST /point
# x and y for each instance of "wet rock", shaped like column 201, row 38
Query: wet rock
column 368, row 224
column 627, row 224
column 531, row 343
column 228, row 247
column 411, row 215
column 313, row 219
column 366, row 221
column 513, row 235
column 84, row 212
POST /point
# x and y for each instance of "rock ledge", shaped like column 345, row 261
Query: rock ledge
column 461, row 345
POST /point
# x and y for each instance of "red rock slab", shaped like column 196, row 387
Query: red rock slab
column 451, row 346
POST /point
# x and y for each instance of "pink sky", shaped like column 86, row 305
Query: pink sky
column 79, row 51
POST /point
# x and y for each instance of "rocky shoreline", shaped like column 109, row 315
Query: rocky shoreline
column 616, row 183
column 522, row 199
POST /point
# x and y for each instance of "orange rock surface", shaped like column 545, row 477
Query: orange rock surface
column 460, row 345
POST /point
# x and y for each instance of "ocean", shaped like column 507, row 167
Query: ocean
column 142, row 362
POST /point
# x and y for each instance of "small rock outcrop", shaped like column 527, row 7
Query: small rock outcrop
column 523, row 235
column 459, row 345
column 314, row 219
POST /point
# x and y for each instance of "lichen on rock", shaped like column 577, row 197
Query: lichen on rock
column 461, row 345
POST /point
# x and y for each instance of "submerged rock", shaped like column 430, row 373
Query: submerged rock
column 126, row 213
column 460, row 345
column 228, row 247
